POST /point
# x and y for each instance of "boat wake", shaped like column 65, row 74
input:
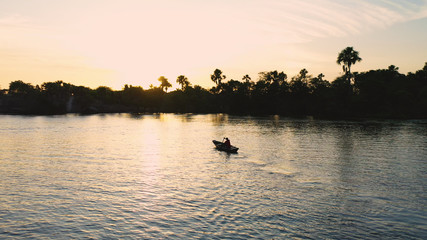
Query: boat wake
column 279, row 170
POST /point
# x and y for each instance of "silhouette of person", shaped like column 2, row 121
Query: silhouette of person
column 227, row 142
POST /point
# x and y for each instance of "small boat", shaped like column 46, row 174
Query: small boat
column 221, row 146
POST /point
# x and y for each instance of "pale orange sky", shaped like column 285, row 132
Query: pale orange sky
column 112, row 43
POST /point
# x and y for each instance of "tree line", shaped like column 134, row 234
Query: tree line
column 383, row 93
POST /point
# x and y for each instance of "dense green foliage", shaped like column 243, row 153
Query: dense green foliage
column 376, row 93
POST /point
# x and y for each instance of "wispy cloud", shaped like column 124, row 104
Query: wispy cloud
column 143, row 39
column 297, row 21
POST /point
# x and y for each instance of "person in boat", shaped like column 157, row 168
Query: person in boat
column 227, row 142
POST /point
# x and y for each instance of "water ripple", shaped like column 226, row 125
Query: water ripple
column 119, row 177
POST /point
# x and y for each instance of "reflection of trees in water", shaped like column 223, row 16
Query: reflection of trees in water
column 371, row 173
column 354, row 141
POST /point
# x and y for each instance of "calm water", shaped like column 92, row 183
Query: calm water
column 159, row 177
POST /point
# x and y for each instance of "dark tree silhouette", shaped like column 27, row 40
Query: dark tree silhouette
column 19, row 87
column 247, row 85
column 318, row 83
column 246, row 78
column 393, row 68
column 348, row 57
column 164, row 83
column 383, row 93
column 217, row 77
column 299, row 83
column 273, row 77
column 183, row 81
column 300, row 92
column 303, row 76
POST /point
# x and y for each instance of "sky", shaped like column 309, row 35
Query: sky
column 111, row 43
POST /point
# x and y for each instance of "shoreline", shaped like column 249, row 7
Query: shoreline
column 306, row 117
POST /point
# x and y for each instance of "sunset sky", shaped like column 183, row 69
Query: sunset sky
column 112, row 43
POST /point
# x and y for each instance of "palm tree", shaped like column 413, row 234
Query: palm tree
column 164, row 83
column 273, row 77
column 393, row 68
column 348, row 57
column 217, row 76
column 246, row 78
column 183, row 81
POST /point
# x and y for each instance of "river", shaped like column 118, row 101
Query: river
column 124, row 176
